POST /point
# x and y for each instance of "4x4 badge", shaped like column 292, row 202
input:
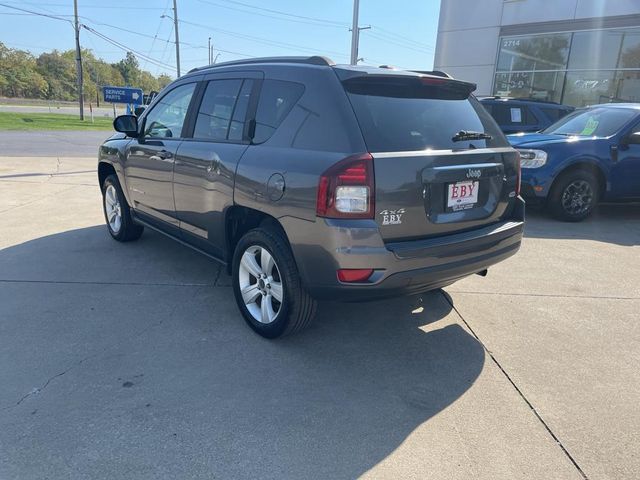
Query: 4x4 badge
column 392, row 217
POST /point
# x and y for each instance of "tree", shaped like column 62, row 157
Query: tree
column 130, row 69
column 19, row 75
column 53, row 74
column 60, row 74
column 164, row 80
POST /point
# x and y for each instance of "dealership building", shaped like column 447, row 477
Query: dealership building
column 577, row 52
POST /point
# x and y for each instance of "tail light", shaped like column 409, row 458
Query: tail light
column 519, row 173
column 346, row 190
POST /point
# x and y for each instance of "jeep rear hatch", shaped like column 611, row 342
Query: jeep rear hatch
column 441, row 163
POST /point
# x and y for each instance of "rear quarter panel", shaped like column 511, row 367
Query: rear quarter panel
column 320, row 130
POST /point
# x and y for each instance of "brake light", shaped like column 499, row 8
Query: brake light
column 354, row 275
column 433, row 81
column 519, row 179
column 346, row 189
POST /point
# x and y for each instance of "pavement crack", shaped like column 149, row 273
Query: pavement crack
column 38, row 390
column 548, row 295
column 517, row 389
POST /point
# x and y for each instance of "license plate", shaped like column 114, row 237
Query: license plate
column 462, row 195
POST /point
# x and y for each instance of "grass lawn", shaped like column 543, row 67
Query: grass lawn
column 51, row 121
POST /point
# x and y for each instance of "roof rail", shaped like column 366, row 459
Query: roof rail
column 437, row 73
column 313, row 60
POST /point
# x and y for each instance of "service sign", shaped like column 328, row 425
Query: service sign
column 122, row 95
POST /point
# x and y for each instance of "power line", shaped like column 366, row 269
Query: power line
column 393, row 42
column 400, row 39
column 110, row 7
column 40, row 14
column 127, row 49
column 261, row 40
column 155, row 37
column 166, row 42
column 275, row 17
column 286, row 14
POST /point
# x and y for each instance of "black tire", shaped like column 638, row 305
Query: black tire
column 574, row 196
column 297, row 308
column 127, row 230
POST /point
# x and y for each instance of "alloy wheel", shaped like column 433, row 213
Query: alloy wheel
column 260, row 284
column 577, row 197
column 113, row 209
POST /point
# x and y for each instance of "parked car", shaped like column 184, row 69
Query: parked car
column 515, row 115
column 310, row 181
column 590, row 155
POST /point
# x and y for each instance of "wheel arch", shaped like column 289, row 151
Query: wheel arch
column 583, row 164
column 104, row 170
column 239, row 220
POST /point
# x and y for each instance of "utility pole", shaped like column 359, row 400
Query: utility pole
column 355, row 33
column 79, row 60
column 175, row 24
column 210, row 59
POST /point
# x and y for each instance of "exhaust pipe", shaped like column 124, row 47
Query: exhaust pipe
column 483, row 273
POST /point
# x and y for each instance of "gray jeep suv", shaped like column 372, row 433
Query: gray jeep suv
column 310, row 180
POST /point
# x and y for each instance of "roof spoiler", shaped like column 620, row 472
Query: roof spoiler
column 435, row 73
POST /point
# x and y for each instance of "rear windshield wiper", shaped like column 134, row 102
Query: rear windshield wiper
column 467, row 135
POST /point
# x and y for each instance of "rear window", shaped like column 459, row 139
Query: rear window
column 405, row 115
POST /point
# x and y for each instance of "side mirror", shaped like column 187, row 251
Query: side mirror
column 127, row 124
column 632, row 139
column 139, row 110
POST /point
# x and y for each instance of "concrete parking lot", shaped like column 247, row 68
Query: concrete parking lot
column 125, row 361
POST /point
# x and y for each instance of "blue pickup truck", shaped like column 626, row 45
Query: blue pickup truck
column 592, row 154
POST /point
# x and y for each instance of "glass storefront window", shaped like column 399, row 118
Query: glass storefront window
column 536, row 52
column 597, row 50
column 545, row 86
column 589, row 88
column 630, row 53
column 578, row 69
column 593, row 87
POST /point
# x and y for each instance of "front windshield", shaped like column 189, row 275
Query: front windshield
column 592, row 122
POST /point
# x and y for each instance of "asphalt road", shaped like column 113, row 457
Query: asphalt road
column 67, row 110
column 63, row 143
column 123, row 361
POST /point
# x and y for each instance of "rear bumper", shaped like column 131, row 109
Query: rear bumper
column 400, row 268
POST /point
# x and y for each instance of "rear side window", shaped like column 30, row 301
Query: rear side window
column 277, row 98
column 405, row 115
column 513, row 115
column 216, row 110
column 554, row 114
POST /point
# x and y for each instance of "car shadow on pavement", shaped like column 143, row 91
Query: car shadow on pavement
column 331, row 402
column 617, row 224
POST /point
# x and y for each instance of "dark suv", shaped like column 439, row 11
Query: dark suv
column 310, row 180
column 515, row 115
